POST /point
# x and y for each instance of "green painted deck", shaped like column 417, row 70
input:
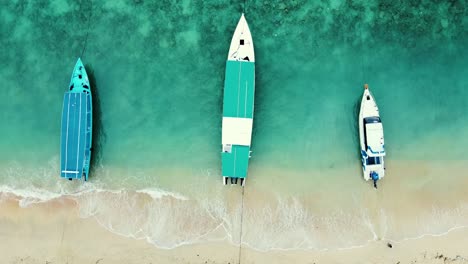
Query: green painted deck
column 236, row 163
column 239, row 90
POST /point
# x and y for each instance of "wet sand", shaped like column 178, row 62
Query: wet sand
column 53, row 232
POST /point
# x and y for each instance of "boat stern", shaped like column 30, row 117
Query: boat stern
column 235, row 163
column 369, row 170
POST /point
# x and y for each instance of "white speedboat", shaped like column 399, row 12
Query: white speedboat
column 371, row 138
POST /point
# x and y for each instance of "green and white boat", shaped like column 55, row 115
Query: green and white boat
column 238, row 105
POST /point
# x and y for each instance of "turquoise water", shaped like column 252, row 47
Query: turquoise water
column 158, row 74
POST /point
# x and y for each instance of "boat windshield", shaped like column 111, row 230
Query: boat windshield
column 373, row 119
column 374, row 161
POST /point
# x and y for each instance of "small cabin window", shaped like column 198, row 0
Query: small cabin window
column 242, row 42
column 373, row 161
column 372, row 119
column 79, row 76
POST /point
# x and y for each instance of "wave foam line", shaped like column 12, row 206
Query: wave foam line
column 194, row 241
column 357, row 246
column 30, row 196
column 430, row 235
column 33, row 195
column 156, row 193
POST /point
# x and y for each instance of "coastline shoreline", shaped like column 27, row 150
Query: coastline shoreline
column 54, row 232
column 292, row 222
column 317, row 211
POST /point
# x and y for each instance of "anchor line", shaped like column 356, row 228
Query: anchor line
column 241, row 224
column 87, row 31
column 364, row 56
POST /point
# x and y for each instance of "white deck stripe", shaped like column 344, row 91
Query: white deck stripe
column 79, row 127
column 238, row 87
column 68, row 123
column 245, row 101
column 235, row 156
column 236, row 131
column 253, row 93
column 86, row 128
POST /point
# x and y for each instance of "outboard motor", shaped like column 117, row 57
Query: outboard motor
column 375, row 177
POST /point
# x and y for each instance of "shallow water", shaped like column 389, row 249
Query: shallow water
column 158, row 72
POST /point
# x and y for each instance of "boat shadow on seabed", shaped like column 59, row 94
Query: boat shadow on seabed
column 99, row 135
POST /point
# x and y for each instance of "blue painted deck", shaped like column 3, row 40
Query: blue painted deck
column 75, row 135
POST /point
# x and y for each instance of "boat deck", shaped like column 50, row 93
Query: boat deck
column 235, row 164
column 75, row 135
column 238, row 108
column 239, row 89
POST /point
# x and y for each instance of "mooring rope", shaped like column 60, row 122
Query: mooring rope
column 364, row 52
column 87, row 31
column 243, row 189
column 241, row 224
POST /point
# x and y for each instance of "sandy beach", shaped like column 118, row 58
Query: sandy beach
column 53, row 232
column 90, row 227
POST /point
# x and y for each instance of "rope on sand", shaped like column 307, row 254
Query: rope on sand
column 242, row 218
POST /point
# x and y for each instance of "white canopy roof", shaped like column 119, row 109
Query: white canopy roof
column 237, row 131
column 375, row 139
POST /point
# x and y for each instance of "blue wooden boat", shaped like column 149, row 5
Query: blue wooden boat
column 77, row 126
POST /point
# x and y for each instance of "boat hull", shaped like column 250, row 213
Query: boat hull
column 238, row 105
column 76, row 128
column 372, row 161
